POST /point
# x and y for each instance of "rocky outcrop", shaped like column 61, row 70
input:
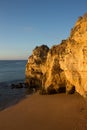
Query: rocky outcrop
column 36, row 66
column 64, row 66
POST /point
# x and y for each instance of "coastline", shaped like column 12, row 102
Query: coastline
column 9, row 96
column 46, row 112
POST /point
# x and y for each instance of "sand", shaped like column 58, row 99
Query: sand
column 46, row 112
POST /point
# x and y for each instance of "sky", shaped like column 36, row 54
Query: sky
column 25, row 24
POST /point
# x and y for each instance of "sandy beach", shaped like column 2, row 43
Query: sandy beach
column 46, row 112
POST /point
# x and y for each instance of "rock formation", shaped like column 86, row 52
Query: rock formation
column 64, row 66
column 35, row 66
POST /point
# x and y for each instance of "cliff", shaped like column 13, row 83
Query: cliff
column 63, row 68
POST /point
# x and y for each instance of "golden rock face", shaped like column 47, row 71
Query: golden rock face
column 64, row 65
column 79, row 32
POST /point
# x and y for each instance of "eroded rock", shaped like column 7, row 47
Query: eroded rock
column 64, row 66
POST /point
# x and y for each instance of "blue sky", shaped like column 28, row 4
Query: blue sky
column 25, row 24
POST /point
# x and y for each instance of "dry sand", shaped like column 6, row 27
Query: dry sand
column 48, row 112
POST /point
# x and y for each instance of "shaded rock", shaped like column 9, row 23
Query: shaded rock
column 12, row 86
column 19, row 85
column 72, row 90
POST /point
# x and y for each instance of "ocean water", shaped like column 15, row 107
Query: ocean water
column 11, row 72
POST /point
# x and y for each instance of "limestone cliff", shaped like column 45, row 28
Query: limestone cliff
column 36, row 65
column 64, row 66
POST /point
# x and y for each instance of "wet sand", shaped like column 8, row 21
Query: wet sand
column 46, row 112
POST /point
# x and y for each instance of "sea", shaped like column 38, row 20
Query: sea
column 11, row 72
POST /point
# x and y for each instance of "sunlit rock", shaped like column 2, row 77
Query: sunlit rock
column 64, row 66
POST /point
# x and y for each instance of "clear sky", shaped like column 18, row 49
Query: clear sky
column 25, row 24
